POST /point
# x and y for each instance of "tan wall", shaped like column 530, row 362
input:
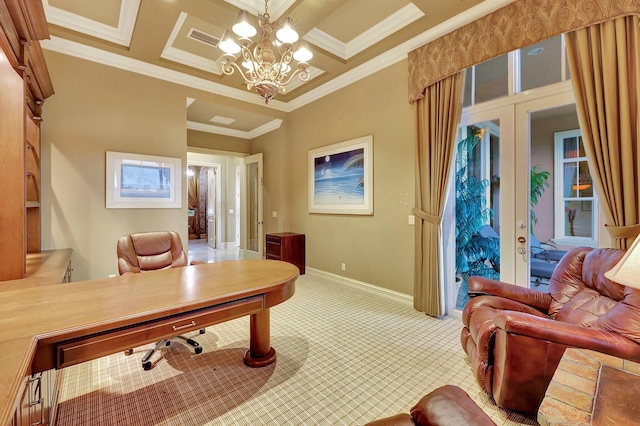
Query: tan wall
column 376, row 249
column 98, row 109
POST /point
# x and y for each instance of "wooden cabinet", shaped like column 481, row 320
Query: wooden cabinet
column 24, row 84
column 287, row 246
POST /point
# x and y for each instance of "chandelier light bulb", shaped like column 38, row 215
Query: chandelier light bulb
column 243, row 27
column 303, row 55
column 287, row 34
column 228, row 44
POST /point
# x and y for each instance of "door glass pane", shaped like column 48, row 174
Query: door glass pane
column 548, row 182
column 492, row 79
column 252, row 207
column 541, row 63
column 468, row 87
column 477, row 186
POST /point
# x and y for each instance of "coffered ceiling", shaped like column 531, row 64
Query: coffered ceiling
column 175, row 40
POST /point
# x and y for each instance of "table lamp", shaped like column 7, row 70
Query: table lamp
column 627, row 270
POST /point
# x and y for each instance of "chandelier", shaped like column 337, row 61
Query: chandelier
column 267, row 66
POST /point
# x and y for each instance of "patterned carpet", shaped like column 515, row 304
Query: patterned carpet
column 345, row 357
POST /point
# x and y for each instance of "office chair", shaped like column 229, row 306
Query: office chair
column 150, row 251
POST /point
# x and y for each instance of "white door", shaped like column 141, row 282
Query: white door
column 251, row 214
column 211, row 206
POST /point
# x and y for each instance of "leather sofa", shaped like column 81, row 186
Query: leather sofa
column 446, row 406
column 514, row 337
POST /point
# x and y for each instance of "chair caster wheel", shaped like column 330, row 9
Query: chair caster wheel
column 202, row 331
column 146, row 365
column 168, row 343
column 128, row 352
column 198, row 350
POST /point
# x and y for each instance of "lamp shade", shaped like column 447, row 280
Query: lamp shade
column 243, row 27
column 627, row 271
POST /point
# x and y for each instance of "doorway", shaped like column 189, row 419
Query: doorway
column 213, row 177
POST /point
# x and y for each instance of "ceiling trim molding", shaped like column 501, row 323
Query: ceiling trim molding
column 398, row 53
column 276, row 8
column 120, row 35
column 398, row 20
column 252, row 134
column 78, row 50
column 372, row 66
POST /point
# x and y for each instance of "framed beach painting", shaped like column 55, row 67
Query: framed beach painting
column 142, row 181
column 341, row 178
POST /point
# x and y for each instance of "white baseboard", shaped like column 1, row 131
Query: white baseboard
column 395, row 295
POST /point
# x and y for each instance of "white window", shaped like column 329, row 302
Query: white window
column 576, row 203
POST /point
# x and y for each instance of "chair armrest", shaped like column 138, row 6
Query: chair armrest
column 568, row 334
column 534, row 298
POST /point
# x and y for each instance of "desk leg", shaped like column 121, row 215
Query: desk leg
column 260, row 353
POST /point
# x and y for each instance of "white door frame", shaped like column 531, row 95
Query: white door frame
column 244, row 245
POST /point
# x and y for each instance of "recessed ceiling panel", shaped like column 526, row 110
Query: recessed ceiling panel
column 104, row 11
column 202, row 112
column 357, row 16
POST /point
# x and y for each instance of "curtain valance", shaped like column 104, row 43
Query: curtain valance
column 516, row 25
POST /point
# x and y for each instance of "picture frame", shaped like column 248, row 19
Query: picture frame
column 341, row 178
column 135, row 181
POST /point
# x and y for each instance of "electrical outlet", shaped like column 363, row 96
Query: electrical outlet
column 412, row 219
column 344, row 266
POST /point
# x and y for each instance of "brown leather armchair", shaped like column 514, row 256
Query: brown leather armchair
column 150, row 251
column 514, row 336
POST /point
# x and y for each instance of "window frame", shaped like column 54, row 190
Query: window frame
column 560, row 236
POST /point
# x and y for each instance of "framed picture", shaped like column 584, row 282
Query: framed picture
column 341, row 178
column 135, row 181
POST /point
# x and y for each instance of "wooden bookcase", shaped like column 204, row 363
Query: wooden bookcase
column 24, row 85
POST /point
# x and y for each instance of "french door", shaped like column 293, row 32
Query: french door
column 492, row 175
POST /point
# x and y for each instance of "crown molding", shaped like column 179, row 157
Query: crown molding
column 252, row 134
column 81, row 51
column 372, row 66
column 120, row 35
column 380, row 31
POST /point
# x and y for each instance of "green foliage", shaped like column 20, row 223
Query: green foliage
column 538, row 180
column 475, row 255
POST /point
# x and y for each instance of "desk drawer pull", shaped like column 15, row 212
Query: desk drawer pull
column 191, row 324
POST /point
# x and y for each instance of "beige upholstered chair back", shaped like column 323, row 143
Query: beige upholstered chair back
column 148, row 251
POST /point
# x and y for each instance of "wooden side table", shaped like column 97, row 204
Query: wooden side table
column 288, row 247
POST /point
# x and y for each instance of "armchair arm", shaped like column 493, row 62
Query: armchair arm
column 534, row 298
column 568, row 334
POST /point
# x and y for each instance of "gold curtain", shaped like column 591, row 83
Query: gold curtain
column 192, row 190
column 604, row 60
column 511, row 27
column 438, row 114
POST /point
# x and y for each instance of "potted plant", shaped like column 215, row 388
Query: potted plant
column 477, row 253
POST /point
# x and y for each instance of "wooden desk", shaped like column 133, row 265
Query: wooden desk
column 56, row 326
